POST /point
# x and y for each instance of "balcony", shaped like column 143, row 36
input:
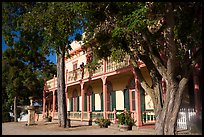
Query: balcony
column 52, row 83
column 79, row 74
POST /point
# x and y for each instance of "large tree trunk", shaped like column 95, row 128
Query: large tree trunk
column 167, row 117
column 62, row 109
column 14, row 109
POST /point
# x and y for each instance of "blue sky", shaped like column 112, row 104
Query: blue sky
column 51, row 57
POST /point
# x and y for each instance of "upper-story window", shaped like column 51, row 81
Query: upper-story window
column 89, row 58
column 75, row 65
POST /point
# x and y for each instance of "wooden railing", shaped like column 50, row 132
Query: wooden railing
column 74, row 115
column 96, row 115
column 112, row 65
column 51, row 83
column 79, row 74
column 148, row 117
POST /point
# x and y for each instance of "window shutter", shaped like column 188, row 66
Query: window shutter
column 93, row 101
column 77, row 103
column 85, row 102
column 102, row 101
column 126, row 99
column 71, row 104
column 142, row 98
column 113, row 100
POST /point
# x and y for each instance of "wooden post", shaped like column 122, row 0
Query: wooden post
column 66, row 93
column 68, row 119
column 137, row 100
column 53, row 104
column 82, row 100
column 115, row 120
column 90, row 118
column 130, row 94
column 104, row 97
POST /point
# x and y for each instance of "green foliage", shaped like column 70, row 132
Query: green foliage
column 102, row 122
column 125, row 119
column 6, row 117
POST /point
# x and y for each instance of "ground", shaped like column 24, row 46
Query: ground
column 51, row 128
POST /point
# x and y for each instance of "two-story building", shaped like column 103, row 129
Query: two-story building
column 102, row 92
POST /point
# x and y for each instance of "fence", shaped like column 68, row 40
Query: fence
column 185, row 115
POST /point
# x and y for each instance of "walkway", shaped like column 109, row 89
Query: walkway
column 51, row 128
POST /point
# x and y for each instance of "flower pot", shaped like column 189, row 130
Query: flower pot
column 103, row 126
column 125, row 127
column 48, row 119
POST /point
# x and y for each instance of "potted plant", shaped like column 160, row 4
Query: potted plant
column 103, row 122
column 48, row 119
column 125, row 120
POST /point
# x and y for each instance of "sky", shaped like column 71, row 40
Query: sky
column 51, row 57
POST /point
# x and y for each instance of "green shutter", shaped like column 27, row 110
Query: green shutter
column 77, row 103
column 102, row 101
column 126, row 99
column 93, row 101
column 142, row 98
column 113, row 100
column 71, row 104
column 85, row 102
column 133, row 98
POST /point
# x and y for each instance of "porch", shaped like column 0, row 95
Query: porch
column 148, row 117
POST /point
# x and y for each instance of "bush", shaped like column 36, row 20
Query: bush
column 6, row 117
column 126, row 119
column 103, row 122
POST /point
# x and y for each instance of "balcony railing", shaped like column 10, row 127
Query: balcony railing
column 148, row 116
column 79, row 74
column 112, row 65
column 51, row 83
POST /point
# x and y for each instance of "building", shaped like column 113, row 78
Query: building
column 102, row 92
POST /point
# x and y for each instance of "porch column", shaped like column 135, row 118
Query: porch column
column 66, row 74
column 130, row 95
column 196, row 73
column 44, row 103
column 66, row 94
column 104, row 97
column 88, row 104
column 82, row 100
column 54, row 103
column 137, row 103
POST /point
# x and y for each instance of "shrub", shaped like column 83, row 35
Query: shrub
column 103, row 122
column 126, row 119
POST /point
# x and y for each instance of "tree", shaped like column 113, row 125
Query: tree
column 24, row 63
column 20, row 81
column 55, row 22
column 159, row 34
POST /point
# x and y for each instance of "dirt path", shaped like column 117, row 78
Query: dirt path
column 42, row 128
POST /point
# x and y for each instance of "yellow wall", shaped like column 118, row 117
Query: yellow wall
column 148, row 102
column 119, row 100
column 97, row 101
column 118, row 84
column 80, row 58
